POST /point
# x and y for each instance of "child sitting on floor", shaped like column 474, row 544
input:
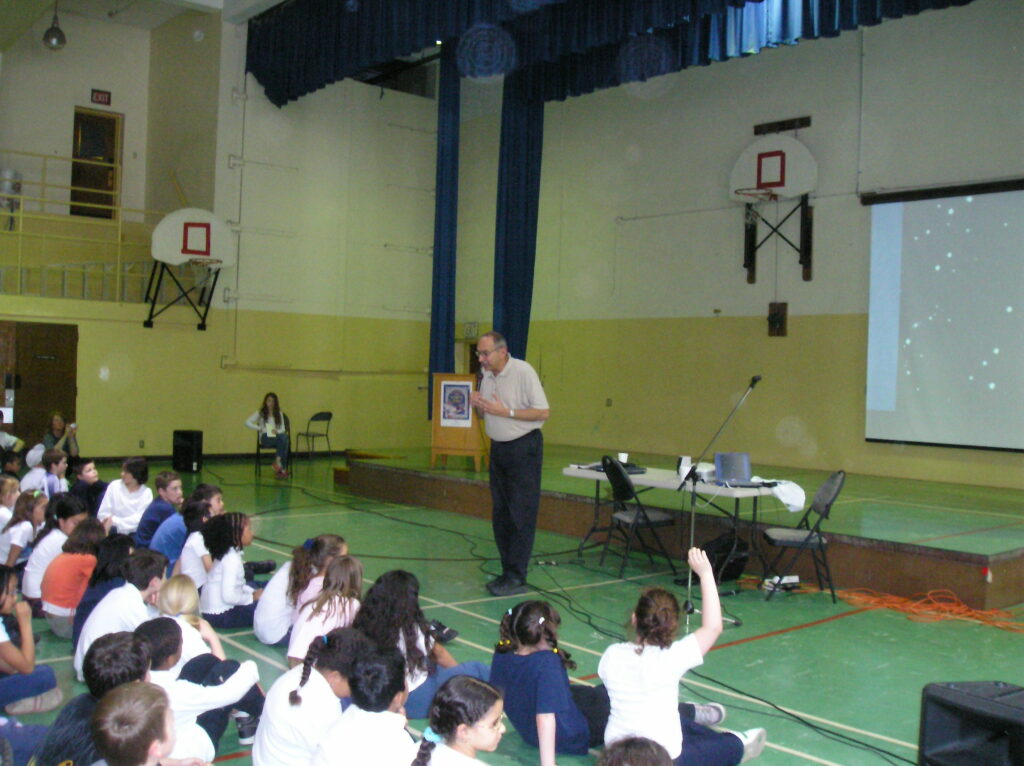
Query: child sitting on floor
column 372, row 730
column 203, row 696
column 127, row 498
column 133, row 726
column 179, row 600
column 19, row 532
column 168, row 491
column 25, row 687
column 112, row 660
column 467, row 715
column 111, row 557
column 67, row 576
column 334, row 607
column 276, row 609
column 302, row 705
column 63, row 514
column 228, row 601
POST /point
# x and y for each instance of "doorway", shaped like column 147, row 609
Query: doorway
column 39, row 363
column 95, row 168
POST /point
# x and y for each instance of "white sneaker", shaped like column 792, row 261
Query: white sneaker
column 753, row 742
column 708, row 714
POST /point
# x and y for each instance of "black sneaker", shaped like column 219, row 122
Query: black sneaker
column 247, row 729
column 442, row 632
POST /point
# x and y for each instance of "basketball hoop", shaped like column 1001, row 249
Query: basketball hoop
column 213, row 264
column 755, row 195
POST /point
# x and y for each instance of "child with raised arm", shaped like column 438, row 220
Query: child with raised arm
column 642, row 678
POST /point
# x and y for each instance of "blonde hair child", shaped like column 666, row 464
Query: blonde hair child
column 179, row 599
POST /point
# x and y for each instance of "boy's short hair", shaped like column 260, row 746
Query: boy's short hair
column 634, row 751
column 78, row 465
column 143, row 565
column 163, row 635
column 115, row 659
column 137, row 467
column 128, row 720
column 377, row 676
column 51, row 457
column 164, row 478
column 205, row 492
column 10, row 456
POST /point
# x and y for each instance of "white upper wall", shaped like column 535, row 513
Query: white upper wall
column 635, row 218
column 40, row 88
column 334, row 192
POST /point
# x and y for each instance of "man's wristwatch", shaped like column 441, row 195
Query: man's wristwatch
column 511, row 413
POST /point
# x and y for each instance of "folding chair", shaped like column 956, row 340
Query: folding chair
column 626, row 520
column 311, row 436
column 806, row 536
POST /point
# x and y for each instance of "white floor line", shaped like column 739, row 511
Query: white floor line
column 808, row 716
column 269, row 660
column 272, row 549
column 48, row 660
column 289, row 516
column 807, row 756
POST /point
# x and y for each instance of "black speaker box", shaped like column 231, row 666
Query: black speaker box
column 187, row 454
column 724, row 566
column 972, row 724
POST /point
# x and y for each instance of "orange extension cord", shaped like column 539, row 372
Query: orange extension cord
column 933, row 606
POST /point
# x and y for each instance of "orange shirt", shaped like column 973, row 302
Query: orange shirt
column 66, row 579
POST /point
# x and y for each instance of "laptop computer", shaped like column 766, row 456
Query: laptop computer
column 732, row 469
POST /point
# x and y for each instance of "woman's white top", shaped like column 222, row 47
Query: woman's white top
column 192, row 559
column 43, row 553
column 225, row 585
column 288, row 735
column 266, row 427
column 644, row 690
column 125, row 507
column 273, row 616
column 308, row 626
column 20, row 534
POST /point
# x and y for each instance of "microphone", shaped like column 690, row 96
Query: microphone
column 754, row 380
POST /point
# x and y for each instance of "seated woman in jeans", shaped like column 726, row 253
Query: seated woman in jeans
column 273, row 428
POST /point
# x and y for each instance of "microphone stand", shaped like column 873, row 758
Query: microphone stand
column 691, row 476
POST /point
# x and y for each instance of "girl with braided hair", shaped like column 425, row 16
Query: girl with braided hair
column 292, row 585
column 228, row 601
column 642, row 677
column 531, row 671
column 303, row 704
column 334, row 607
column 467, row 715
column 390, row 616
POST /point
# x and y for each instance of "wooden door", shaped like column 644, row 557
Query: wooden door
column 97, row 144
column 47, row 372
column 8, row 363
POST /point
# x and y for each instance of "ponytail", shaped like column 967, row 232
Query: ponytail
column 307, row 666
column 424, row 753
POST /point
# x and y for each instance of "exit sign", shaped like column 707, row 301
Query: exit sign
column 101, row 97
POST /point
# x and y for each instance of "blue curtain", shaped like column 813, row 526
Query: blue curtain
column 446, row 212
column 515, row 241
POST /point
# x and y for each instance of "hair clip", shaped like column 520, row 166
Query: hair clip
column 432, row 736
column 324, row 637
column 554, row 649
column 509, row 612
column 540, row 621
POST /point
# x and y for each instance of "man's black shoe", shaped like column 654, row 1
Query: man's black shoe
column 508, row 587
column 261, row 567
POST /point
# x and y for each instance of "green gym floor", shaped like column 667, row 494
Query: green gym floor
column 832, row 684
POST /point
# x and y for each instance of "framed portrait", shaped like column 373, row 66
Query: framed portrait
column 455, row 409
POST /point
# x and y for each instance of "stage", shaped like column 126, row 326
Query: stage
column 903, row 537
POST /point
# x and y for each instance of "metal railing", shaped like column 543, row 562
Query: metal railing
column 45, row 251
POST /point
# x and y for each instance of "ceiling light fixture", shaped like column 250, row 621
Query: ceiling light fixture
column 53, row 38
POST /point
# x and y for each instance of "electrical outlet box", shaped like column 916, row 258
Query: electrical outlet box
column 142, row 443
column 607, row 402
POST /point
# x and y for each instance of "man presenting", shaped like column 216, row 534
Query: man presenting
column 512, row 402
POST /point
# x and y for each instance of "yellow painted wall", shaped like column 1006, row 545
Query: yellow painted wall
column 141, row 384
column 673, row 381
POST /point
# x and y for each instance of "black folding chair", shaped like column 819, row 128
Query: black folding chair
column 806, row 536
column 629, row 516
column 321, row 433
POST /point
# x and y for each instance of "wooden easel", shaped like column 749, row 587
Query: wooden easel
column 454, row 440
